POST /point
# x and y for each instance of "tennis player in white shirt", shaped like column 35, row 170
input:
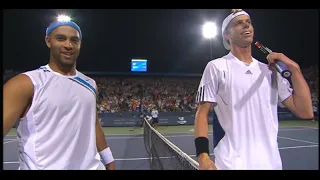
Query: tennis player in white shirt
column 245, row 94
column 56, row 105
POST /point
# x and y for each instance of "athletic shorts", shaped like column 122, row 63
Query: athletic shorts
column 155, row 121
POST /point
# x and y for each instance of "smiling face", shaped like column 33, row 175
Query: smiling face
column 240, row 31
column 64, row 43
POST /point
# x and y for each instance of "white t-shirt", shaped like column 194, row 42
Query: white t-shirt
column 247, row 97
column 154, row 114
column 58, row 132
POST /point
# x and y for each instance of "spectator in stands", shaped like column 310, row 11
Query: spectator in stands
column 315, row 111
column 155, row 121
column 137, row 94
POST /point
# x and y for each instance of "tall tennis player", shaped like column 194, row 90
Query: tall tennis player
column 56, row 105
column 245, row 94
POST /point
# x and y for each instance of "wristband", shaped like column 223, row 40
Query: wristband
column 202, row 145
column 106, row 156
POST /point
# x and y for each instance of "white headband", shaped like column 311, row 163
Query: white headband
column 225, row 24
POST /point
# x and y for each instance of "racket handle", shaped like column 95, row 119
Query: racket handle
column 280, row 66
column 282, row 69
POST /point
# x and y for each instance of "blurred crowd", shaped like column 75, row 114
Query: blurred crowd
column 311, row 74
column 128, row 94
column 167, row 94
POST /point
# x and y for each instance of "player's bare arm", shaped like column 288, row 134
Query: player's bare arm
column 17, row 96
column 201, row 130
column 102, row 145
column 300, row 103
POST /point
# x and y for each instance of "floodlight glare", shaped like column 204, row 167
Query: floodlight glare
column 209, row 30
column 63, row 18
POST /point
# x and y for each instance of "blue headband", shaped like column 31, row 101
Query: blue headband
column 56, row 24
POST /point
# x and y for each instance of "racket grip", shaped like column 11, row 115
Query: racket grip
column 282, row 69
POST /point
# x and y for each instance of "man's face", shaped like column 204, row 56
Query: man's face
column 240, row 31
column 64, row 43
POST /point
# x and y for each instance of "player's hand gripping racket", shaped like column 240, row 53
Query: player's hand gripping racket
column 280, row 66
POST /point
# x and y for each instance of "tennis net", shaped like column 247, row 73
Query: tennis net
column 163, row 154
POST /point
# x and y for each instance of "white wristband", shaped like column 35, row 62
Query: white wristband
column 106, row 156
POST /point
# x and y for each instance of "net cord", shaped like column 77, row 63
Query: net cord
column 194, row 163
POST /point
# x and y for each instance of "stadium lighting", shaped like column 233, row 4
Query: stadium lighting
column 63, row 18
column 209, row 30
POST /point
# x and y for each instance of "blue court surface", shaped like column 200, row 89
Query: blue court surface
column 298, row 147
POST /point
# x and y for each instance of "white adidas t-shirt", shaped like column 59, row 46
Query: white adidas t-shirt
column 58, row 132
column 247, row 97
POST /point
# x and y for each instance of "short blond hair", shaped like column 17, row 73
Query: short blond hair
column 235, row 10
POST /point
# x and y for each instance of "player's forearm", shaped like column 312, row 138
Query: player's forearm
column 103, row 148
column 201, row 125
column 301, row 96
column 100, row 138
column 201, row 135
